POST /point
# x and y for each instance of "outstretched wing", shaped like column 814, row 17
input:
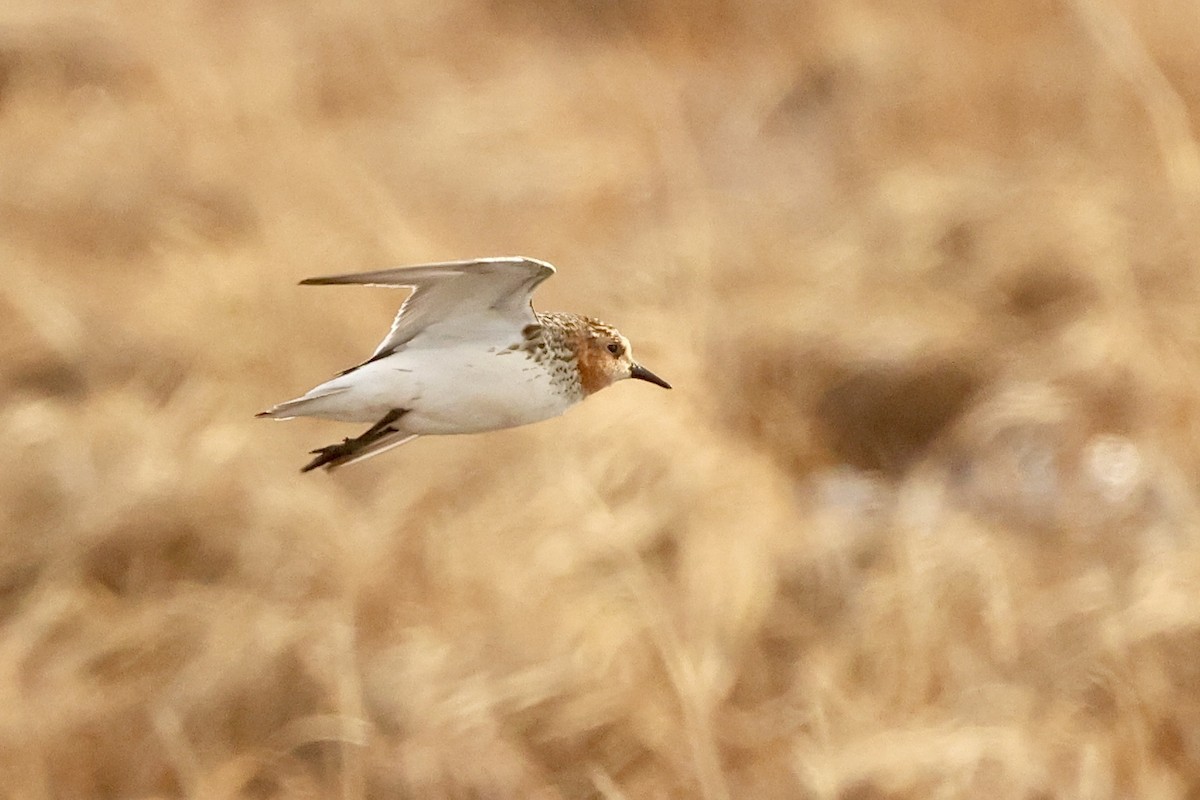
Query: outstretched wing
column 453, row 290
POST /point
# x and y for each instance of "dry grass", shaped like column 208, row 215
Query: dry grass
column 919, row 521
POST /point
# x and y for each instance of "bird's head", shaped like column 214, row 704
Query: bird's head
column 605, row 357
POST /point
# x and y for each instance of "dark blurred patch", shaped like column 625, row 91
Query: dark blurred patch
column 85, row 760
column 58, row 59
column 810, row 408
column 883, row 418
column 661, row 552
column 720, row 24
column 867, row 789
column 1046, row 294
column 50, row 377
column 1113, row 401
column 104, row 357
column 16, row 580
column 1176, row 743
column 815, row 89
column 354, row 71
column 956, row 248
column 148, row 559
column 592, row 18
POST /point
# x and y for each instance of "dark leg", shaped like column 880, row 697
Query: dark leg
column 333, row 453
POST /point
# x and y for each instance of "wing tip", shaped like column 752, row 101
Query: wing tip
column 546, row 265
column 367, row 277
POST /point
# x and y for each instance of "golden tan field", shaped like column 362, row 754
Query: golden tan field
column 919, row 519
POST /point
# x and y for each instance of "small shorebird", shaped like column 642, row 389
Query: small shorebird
column 466, row 353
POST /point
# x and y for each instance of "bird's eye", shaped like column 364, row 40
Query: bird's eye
column 614, row 348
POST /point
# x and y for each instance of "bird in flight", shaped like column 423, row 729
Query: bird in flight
column 466, row 353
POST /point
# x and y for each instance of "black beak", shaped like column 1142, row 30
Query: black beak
column 643, row 374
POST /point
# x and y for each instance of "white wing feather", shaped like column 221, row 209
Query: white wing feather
column 496, row 287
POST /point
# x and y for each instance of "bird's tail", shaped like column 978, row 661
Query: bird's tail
column 310, row 405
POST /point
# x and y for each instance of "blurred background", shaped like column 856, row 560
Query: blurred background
column 918, row 521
